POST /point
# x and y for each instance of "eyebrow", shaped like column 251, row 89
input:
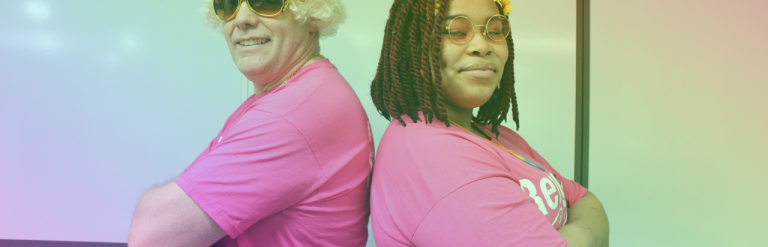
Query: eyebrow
column 452, row 16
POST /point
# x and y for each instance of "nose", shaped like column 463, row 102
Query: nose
column 245, row 18
column 478, row 45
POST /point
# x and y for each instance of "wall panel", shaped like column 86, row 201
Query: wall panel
column 99, row 100
column 544, row 33
column 678, row 121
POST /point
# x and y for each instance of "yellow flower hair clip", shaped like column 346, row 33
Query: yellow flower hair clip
column 504, row 5
column 437, row 9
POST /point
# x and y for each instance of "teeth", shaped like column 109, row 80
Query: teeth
column 253, row 42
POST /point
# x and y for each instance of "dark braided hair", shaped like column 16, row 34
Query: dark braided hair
column 408, row 79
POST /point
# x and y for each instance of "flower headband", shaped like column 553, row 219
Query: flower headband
column 503, row 3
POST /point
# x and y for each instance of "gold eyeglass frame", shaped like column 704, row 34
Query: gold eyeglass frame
column 240, row 3
column 472, row 33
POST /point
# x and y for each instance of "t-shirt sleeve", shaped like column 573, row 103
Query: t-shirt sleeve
column 573, row 190
column 489, row 212
column 261, row 166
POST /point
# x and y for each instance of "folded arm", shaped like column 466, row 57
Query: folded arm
column 167, row 216
column 489, row 212
column 587, row 223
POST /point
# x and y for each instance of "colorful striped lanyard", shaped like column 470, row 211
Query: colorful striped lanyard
column 496, row 143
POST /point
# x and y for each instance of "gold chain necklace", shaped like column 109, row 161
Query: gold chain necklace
column 496, row 143
column 286, row 80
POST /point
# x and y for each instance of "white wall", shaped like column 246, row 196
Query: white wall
column 678, row 124
column 544, row 33
column 99, row 100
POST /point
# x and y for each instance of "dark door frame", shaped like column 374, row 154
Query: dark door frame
column 581, row 165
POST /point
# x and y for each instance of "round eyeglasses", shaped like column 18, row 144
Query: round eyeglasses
column 227, row 9
column 460, row 29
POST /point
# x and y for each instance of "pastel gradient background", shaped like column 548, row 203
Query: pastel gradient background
column 99, row 100
column 679, row 113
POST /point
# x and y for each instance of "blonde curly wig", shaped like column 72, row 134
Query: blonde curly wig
column 326, row 14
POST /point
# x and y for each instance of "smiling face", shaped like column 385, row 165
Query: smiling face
column 266, row 48
column 471, row 71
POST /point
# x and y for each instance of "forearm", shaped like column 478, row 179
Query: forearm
column 587, row 223
column 149, row 220
column 140, row 233
column 166, row 216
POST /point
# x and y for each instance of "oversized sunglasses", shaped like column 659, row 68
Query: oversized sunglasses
column 227, row 9
column 460, row 29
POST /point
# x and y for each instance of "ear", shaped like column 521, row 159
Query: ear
column 312, row 27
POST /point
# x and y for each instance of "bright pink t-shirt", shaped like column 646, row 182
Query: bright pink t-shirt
column 290, row 166
column 444, row 186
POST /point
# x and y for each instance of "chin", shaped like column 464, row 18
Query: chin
column 474, row 102
column 250, row 67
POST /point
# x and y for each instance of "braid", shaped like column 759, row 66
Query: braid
column 394, row 56
column 435, row 52
column 511, row 96
column 376, row 93
column 495, row 112
column 407, row 72
column 389, row 97
column 379, row 86
column 424, row 72
column 508, row 89
column 415, row 67
column 401, row 70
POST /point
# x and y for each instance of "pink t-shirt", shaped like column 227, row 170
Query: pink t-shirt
column 444, row 186
column 290, row 166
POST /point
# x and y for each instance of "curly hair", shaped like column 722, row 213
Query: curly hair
column 408, row 79
column 326, row 14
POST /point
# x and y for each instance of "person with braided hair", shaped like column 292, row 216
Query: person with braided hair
column 444, row 176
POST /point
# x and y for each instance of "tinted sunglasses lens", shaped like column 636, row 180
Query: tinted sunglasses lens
column 267, row 7
column 497, row 28
column 460, row 29
column 225, row 8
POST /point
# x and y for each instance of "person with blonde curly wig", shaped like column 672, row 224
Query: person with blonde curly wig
column 291, row 164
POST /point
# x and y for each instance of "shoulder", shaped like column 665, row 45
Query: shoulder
column 257, row 130
column 425, row 142
column 259, row 120
column 444, row 158
column 320, row 91
column 319, row 103
column 320, row 77
column 509, row 137
column 507, row 133
column 316, row 95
